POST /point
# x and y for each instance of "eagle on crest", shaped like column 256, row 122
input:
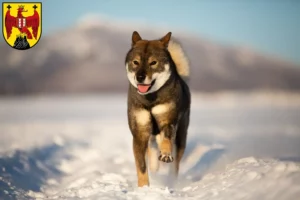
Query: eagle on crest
column 22, row 23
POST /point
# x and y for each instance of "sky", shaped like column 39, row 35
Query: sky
column 269, row 26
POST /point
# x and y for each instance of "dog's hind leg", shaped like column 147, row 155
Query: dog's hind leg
column 178, row 151
column 180, row 144
column 179, row 154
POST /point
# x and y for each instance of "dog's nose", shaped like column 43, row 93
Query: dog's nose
column 140, row 78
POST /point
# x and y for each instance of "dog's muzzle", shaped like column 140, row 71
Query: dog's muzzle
column 144, row 88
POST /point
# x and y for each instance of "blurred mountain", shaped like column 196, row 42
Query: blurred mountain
column 89, row 57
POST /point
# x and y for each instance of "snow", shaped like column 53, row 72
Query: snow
column 79, row 147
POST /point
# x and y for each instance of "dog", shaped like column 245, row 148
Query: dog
column 158, row 104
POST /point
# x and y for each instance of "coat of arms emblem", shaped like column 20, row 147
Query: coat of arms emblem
column 22, row 24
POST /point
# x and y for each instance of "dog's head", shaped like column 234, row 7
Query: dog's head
column 148, row 63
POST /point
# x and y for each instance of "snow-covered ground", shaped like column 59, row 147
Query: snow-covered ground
column 239, row 147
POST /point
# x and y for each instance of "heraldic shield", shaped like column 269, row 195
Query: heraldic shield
column 22, row 24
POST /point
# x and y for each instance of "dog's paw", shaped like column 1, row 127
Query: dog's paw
column 166, row 157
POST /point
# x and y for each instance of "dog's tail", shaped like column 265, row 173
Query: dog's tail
column 180, row 59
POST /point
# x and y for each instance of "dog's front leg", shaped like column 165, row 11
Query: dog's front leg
column 139, row 148
column 141, row 127
column 166, row 116
column 167, row 137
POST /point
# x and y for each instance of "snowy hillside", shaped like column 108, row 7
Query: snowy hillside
column 93, row 51
column 79, row 147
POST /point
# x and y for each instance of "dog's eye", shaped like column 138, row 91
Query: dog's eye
column 135, row 62
column 153, row 63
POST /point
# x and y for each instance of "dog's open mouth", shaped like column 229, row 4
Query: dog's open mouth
column 143, row 88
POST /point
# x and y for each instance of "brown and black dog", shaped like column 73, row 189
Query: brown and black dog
column 158, row 102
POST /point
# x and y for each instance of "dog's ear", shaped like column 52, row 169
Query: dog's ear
column 135, row 37
column 165, row 40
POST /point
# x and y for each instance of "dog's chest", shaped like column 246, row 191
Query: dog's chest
column 162, row 111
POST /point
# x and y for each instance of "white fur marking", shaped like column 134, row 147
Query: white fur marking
column 147, row 80
column 161, row 78
column 142, row 117
column 161, row 108
column 131, row 76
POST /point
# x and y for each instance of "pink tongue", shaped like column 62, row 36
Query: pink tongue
column 143, row 88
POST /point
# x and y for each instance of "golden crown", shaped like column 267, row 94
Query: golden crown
column 21, row 6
